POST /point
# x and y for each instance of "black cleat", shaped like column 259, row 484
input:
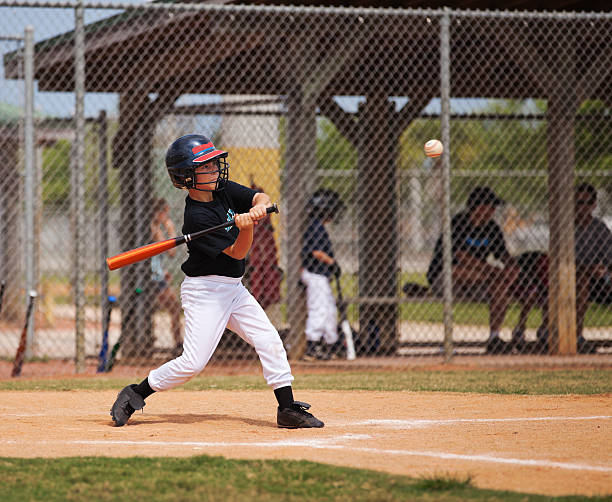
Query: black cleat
column 586, row 346
column 315, row 352
column 495, row 345
column 296, row 417
column 126, row 403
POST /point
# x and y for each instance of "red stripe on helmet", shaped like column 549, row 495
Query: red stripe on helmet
column 199, row 148
column 209, row 155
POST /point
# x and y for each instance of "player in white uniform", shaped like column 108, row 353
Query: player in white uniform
column 212, row 293
column 318, row 264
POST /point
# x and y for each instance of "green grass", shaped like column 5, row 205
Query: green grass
column 469, row 313
column 220, row 479
column 444, row 483
column 472, row 313
column 502, row 381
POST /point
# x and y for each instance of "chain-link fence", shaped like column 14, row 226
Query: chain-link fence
column 499, row 246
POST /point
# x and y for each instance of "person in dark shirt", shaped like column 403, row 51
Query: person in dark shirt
column 212, row 293
column 593, row 258
column 593, row 250
column 318, row 264
column 474, row 238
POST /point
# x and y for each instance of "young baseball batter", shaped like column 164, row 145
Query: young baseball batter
column 212, row 293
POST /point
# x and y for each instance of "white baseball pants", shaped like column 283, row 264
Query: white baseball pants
column 211, row 303
column 322, row 321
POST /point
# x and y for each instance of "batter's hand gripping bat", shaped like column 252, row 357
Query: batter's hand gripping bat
column 20, row 355
column 102, row 357
column 344, row 324
column 144, row 252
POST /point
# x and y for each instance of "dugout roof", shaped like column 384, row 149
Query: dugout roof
column 532, row 5
column 122, row 50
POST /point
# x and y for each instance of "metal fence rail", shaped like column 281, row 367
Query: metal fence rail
column 305, row 98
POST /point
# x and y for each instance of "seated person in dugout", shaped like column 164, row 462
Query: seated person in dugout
column 593, row 249
column 475, row 236
column 593, row 256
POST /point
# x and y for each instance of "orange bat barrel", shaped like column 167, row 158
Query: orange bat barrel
column 142, row 253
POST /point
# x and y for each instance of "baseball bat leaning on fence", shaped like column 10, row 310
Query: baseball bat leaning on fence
column 104, row 349
column 113, row 353
column 144, row 252
column 2, row 285
column 344, row 324
column 20, row 355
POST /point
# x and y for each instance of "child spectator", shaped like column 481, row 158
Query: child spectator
column 318, row 264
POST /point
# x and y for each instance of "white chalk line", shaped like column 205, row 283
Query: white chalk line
column 418, row 423
column 329, row 444
column 25, row 415
column 311, row 442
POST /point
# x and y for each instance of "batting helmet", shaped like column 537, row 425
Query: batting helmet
column 325, row 204
column 187, row 153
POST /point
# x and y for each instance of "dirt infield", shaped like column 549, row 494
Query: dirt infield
column 539, row 444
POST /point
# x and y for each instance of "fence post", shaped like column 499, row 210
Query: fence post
column 29, row 174
column 300, row 158
column 103, row 208
column 445, row 95
column 79, row 167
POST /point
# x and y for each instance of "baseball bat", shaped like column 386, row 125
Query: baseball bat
column 113, row 353
column 344, row 324
column 2, row 285
column 104, row 349
column 19, row 356
column 144, row 252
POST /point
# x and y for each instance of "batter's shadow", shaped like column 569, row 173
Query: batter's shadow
column 196, row 418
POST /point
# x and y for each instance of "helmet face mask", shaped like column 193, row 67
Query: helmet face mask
column 221, row 169
column 190, row 152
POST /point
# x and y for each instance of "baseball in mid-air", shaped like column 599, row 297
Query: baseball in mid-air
column 433, row 148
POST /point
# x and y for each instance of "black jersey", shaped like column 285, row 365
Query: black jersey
column 593, row 243
column 316, row 238
column 479, row 241
column 206, row 255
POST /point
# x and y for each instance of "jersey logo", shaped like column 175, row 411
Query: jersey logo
column 230, row 216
